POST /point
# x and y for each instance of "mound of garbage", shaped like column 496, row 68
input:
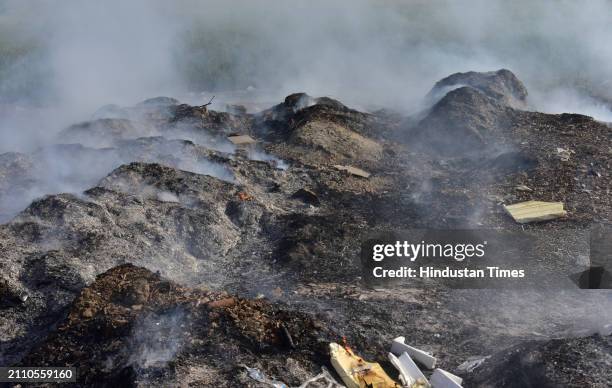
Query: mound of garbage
column 134, row 328
column 166, row 244
column 502, row 86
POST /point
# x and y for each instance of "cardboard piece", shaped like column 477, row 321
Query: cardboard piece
column 241, row 140
column 533, row 211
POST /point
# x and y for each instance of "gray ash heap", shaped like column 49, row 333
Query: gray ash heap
column 169, row 256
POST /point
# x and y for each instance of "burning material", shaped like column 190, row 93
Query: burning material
column 398, row 347
column 356, row 372
column 533, row 211
column 353, row 171
column 245, row 196
column 241, row 140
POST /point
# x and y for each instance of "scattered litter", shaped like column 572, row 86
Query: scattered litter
column 307, row 196
column 245, row 196
column 356, row 372
column 259, row 376
column 523, row 188
column 471, row 364
column 532, row 211
column 353, row 170
column 399, row 346
column 410, row 374
column 443, row 379
column 564, row 154
column 241, row 140
column 325, row 376
column 287, row 336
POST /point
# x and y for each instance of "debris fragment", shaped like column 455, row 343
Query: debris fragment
column 11, row 295
column 244, row 196
column 443, row 379
column 410, row 374
column 523, row 188
column 307, row 196
column 356, row 372
column 533, row 211
column 353, row 170
column 564, row 154
column 472, row 363
column 325, row 376
column 241, row 140
column 399, row 346
column 287, row 336
column 227, row 302
column 260, row 377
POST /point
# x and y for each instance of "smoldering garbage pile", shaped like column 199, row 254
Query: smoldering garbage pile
column 172, row 255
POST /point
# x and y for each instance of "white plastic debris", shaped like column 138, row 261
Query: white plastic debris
column 443, row 379
column 259, row 376
column 326, row 377
column 410, row 374
column 472, row 363
column 398, row 347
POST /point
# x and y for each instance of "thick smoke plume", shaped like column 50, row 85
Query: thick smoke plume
column 84, row 54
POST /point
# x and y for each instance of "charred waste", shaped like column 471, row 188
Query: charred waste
column 173, row 254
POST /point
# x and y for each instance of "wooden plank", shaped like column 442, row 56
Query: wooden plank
column 353, row 170
column 241, row 139
column 356, row 372
column 533, row 211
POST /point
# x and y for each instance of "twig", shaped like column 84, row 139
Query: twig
column 209, row 102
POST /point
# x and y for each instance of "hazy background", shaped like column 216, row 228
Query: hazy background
column 73, row 56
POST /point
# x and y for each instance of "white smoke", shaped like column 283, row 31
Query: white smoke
column 385, row 53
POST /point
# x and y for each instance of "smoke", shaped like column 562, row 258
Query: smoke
column 63, row 59
column 157, row 339
column 387, row 53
